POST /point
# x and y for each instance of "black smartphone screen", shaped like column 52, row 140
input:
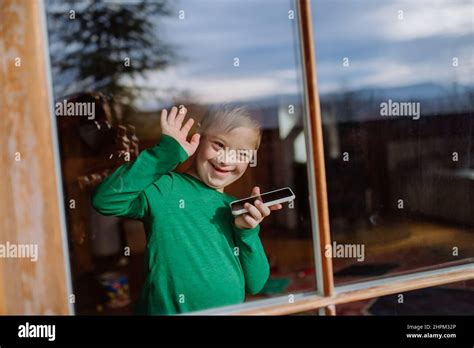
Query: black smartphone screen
column 265, row 198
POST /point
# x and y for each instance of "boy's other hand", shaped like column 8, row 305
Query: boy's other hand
column 172, row 125
column 255, row 212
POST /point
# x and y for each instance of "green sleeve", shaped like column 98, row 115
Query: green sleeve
column 252, row 258
column 123, row 193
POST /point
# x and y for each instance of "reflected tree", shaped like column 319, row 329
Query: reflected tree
column 103, row 46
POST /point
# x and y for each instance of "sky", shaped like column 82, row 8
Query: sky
column 214, row 33
column 388, row 43
column 385, row 47
column 387, row 51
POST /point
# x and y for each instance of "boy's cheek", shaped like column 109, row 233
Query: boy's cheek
column 211, row 154
column 204, row 156
column 241, row 168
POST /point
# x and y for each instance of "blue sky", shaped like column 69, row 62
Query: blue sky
column 213, row 33
column 387, row 51
column 383, row 49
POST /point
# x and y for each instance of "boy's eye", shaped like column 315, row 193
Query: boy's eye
column 218, row 145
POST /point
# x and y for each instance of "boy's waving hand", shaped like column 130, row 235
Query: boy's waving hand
column 172, row 125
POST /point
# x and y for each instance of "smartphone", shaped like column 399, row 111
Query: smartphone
column 269, row 198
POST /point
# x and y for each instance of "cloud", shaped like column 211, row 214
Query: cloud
column 222, row 88
column 386, row 52
column 213, row 33
column 383, row 50
column 424, row 19
column 372, row 20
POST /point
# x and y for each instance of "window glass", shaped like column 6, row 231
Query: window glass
column 129, row 60
column 396, row 92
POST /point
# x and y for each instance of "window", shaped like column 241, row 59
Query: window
column 132, row 59
column 393, row 111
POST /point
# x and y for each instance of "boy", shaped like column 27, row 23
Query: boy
column 198, row 255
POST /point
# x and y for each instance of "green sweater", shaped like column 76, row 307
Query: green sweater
column 195, row 257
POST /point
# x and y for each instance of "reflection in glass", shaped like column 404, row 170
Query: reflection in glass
column 132, row 59
column 397, row 98
column 450, row 299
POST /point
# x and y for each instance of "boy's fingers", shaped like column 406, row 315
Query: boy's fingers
column 172, row 116
column 264, row 210
column 253, row 211
column 163, row 119
column 255, row 191
column 276, row 207
column 180, row 117
column 195, row 139
column 187, row 126
column 250, row 220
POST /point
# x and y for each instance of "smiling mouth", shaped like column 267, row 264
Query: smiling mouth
column 219, row 170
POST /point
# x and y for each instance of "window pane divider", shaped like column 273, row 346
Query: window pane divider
column 315, row 150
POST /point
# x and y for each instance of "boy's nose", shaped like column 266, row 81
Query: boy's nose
column 220, row 159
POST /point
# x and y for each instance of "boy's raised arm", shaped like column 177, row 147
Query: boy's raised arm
column 123, row 192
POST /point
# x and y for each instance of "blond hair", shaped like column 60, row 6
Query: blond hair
column 227, row 118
